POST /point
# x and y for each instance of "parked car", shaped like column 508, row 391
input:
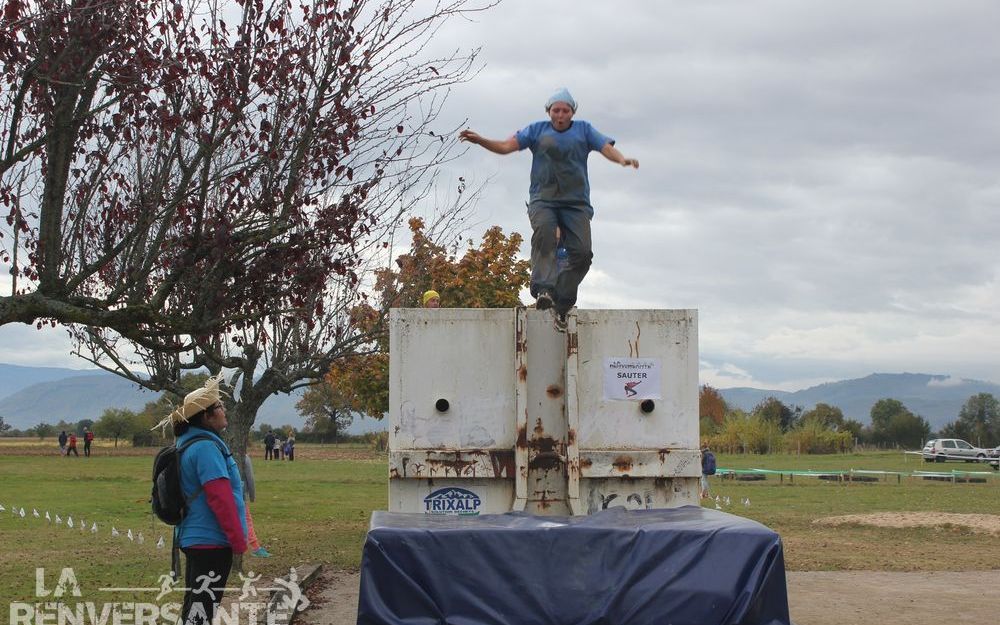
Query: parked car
column 944, row 449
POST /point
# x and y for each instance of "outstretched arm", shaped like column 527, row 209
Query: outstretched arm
column 611, row 153
column 506, row 146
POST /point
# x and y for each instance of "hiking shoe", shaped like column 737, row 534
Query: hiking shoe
column 260, row 552
column 544, row 301
column 560, row 323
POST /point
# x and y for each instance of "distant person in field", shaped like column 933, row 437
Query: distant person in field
column 88, row 438
column 269, row 445
column 62, row 443
column 277, row 449
column 432, row 299
column 290, row 448
column 707, row 468
column 249, row 495
column 71, row 447
column 559, row 196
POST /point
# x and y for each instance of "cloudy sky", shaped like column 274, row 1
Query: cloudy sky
column 818, row 179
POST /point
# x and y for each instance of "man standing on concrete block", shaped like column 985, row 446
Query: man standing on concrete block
column 559, row 196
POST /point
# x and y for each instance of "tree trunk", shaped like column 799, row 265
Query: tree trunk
column 237, row 434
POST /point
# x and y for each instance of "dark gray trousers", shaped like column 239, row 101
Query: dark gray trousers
column 574, row 222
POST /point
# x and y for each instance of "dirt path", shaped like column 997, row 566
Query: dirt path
column 814, row 597
column 881, row 598
column 985, row 523
column 333, row 599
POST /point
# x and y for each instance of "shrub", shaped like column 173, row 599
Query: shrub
column 811, row 437
column 748, row 434
column 379, row 441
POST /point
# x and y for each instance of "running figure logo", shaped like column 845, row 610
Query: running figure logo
column 630, row 388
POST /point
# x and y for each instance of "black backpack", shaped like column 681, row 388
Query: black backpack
column 169, row 503
column 708, row 463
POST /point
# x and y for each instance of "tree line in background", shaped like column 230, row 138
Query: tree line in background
column 122, row 425
column 773, row 427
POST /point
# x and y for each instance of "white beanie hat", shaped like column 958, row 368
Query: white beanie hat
column 561, row 95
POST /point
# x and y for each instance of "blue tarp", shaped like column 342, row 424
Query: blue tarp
column 686, row 565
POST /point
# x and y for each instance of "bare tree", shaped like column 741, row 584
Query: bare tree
column 175, row 172
column 225, row 220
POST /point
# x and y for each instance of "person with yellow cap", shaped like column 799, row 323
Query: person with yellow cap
column 559, row 196
column 432, row 299
column 215, row 526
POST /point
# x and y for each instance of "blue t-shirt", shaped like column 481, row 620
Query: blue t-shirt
column 559, row 160
column 201, row 463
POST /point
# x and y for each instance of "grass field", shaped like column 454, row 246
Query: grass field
column 317, row 508
column 791, row 508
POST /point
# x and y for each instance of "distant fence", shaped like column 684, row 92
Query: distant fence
column 855, row 475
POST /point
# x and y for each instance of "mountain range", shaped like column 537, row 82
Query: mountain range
column 937, row 398
column 32, row 395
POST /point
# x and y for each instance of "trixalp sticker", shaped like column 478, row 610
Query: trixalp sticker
column 458, row 501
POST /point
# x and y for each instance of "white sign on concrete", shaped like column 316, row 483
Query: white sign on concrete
column 632, row 378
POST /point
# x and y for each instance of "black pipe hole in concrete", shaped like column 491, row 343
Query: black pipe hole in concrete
column 442, row 405
column 647, row 406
